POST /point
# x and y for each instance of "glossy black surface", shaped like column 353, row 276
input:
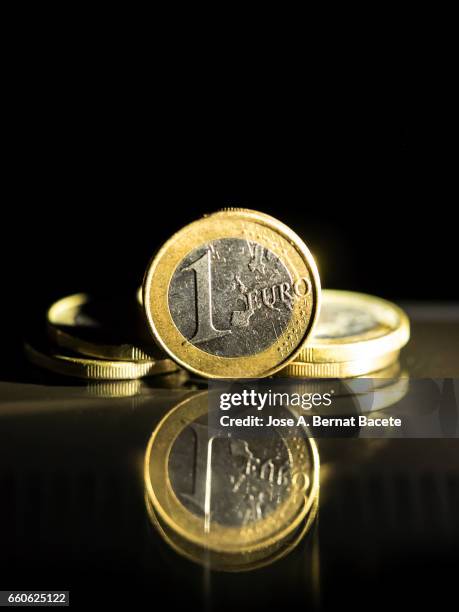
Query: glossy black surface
column 72, row 513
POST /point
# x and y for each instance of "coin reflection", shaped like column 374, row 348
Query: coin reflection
column 242, row 562
column 230, row 503
column 131, row 388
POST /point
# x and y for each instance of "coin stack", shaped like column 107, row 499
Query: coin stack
column 235, row 294
column 356, row 335
column 97, row 340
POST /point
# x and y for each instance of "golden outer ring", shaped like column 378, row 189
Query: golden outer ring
column 345, row 369
column 391, row 335
column 56, row 316
column 234, row 562
column 97, row 369
column 277, row 526
column 271, row 234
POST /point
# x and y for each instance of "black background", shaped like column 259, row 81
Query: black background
column 98, row 176
column 99, row 180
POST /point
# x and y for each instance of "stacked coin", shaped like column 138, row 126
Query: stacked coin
column 356, row 335
column 231, row 503
column 96, row 340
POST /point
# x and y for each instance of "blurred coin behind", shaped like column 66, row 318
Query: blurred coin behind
column 100, row 327
column 96, row 340
column 356, row 335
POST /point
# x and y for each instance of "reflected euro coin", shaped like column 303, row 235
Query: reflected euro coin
column 236, row 501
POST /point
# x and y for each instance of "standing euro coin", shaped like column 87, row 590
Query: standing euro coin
column 232, row 295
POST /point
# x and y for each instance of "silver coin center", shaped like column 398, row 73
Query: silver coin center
column 231, row 297
column 247, row 481
column 338, row 321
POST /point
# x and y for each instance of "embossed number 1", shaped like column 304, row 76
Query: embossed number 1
column 205, row 329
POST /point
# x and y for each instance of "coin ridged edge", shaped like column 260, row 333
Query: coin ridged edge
column 92, row 369
column 346, row 369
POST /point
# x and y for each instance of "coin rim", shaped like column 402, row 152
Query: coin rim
column 345, row 369
column 234, row 562
column 96, row 369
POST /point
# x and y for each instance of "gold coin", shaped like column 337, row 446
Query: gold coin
column 232, row 295
column 354, row 326
column 235, row 562
column 345, row 369
column 96, row 369
column 243, row 496
column 99, row 328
